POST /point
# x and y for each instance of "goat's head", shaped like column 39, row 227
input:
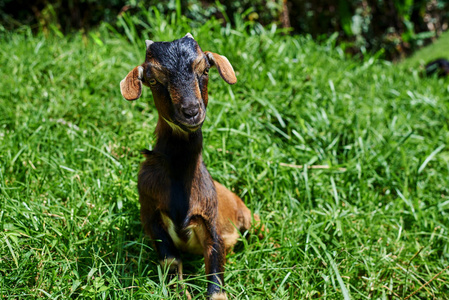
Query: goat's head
column 177, row 73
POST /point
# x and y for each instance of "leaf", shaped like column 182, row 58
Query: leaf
column 429, row 158
column 91, row 272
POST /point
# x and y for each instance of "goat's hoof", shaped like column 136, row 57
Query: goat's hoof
column 182, row 292
column 185, row 294
column 219, row 296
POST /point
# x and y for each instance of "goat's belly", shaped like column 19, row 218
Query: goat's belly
column 193, row 244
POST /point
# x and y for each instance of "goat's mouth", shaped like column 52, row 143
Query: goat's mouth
column 190, row 124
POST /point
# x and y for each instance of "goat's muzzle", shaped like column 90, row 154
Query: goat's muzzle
column 190, row 111
column 192, row 118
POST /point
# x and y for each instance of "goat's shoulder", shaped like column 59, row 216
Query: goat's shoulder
column 154, row 162
column 153, row 175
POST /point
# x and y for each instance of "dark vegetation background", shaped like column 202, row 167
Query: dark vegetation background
column 390, row 28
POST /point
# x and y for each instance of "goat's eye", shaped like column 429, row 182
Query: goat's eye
column 206, row 71
column 152, row 81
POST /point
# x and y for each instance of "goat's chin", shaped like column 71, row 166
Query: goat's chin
column 192, row 128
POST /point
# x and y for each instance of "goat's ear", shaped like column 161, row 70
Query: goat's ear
column 223, row 65
column 131, row 86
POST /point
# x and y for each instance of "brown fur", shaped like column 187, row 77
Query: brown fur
column 224, row 67
column 131, row 86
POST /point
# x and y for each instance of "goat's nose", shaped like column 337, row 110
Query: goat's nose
column 190, row 111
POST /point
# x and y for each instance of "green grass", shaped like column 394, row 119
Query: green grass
column 438, row 49
column 373, row 226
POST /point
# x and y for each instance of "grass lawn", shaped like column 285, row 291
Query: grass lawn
column 439, row 49
column 374, row 225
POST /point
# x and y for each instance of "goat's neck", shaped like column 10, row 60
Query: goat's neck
column 182, row 149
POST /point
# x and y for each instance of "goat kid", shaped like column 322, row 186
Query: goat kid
column 182, row 207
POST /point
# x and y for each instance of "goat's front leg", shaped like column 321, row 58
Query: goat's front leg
column 167, row 252
column 214, row 259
